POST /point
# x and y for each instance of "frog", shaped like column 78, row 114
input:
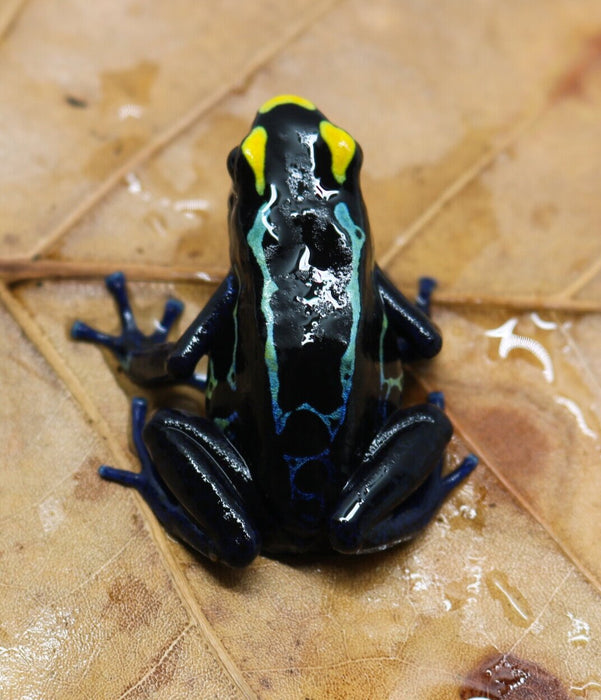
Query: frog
column 305, row 444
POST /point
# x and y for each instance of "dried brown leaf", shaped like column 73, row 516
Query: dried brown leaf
column 480, row 126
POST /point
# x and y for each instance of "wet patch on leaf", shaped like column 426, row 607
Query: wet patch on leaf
column 507, row 676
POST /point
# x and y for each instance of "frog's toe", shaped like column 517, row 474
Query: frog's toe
column 467, row 466
column 81, row 331
column 120, row 476
column 436, row 398
column 115, row 283
column 172, row 311
column 426, row 287
column 137, row 480
column 117, row 286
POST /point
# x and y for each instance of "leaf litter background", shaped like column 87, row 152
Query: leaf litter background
column 481, row 125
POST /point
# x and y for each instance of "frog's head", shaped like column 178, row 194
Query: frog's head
column 292, row 160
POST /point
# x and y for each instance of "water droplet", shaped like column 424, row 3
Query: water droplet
column 515, row 606
column 580, row 631
column 51, row 514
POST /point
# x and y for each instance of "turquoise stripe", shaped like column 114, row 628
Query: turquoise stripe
column 356, row 236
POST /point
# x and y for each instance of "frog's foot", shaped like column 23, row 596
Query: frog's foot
column 143, row 357
column 147, row 482
column 424, row 293
column 131, row 337
column 195, row 483
column 399, row 486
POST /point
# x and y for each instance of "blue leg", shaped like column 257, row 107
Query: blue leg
column 147, row 483
column 198, row 492
column 143, row 357
column 467, row 466
column 409, row 323
column 418, row 510
column 131, row 338
column 399, row 486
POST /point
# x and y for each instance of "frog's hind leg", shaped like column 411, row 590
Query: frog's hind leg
column 195, row 482
column 399, row 485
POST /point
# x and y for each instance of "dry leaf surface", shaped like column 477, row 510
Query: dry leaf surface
column 480, row 126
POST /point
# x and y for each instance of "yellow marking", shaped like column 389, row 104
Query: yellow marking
column 286, row 100
column 253, row 148
column 342, row 147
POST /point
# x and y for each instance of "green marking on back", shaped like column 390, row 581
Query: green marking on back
column 357, row 238
column 231, row 375
column 356, row 235
column 255, row 241
column 387, row 384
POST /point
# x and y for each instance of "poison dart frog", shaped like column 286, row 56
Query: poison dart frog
column 305, row 445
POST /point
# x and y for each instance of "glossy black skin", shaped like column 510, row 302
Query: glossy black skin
column 305, row 446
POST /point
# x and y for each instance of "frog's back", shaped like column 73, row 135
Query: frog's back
column 306, row 408
column 294, row 392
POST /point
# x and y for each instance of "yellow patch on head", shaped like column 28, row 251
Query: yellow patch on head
column 342, row 147
column 286, row 100
column 253, row 148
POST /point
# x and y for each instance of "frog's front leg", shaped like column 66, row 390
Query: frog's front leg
column 195, row 482
column 151, row 359
column 417, row 336
column 143, row 357
column 399, row 485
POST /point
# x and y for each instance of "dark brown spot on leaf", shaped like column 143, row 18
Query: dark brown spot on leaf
column 10, row 239
column 507, row 676
column 74, row 101
column 513, row 436
column 571, row 83
column 88, row 484
column 132, row 603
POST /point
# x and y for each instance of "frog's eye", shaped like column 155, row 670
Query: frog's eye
column 342, row 148
column 253, row 148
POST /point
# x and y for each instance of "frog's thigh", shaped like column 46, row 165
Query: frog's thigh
column 209, row 479
column 398, row 486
